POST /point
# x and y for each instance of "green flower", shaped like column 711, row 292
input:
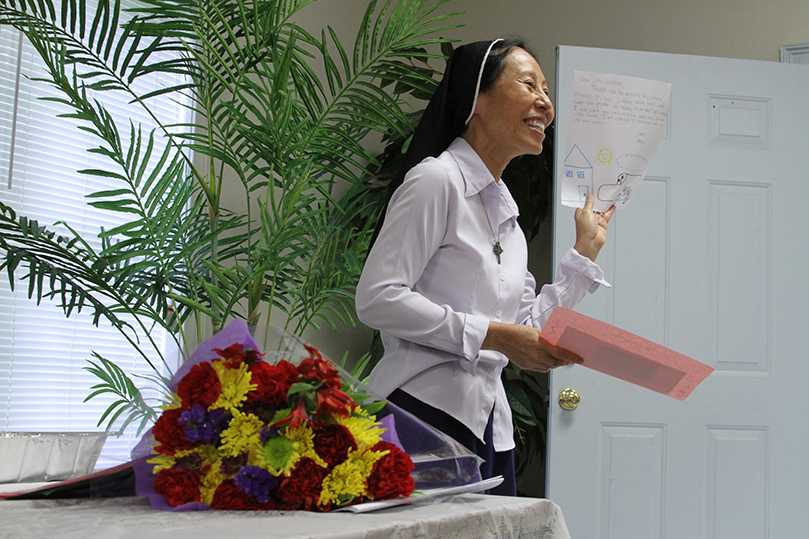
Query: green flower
column 280, row 454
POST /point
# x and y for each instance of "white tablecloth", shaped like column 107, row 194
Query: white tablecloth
column 470, row 516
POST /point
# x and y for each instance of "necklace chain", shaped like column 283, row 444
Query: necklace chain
column 496, row 248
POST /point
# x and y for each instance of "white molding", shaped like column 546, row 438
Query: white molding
column 797, row 53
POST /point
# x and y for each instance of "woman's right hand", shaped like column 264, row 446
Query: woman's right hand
column 591, row 229
column 525, row 346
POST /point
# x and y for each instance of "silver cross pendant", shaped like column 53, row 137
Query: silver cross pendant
column 497, row 250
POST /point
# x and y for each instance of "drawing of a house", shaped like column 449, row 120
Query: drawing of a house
column 579, row 170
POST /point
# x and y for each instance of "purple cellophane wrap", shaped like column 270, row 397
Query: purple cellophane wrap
column 439, row 460
column 233, row 333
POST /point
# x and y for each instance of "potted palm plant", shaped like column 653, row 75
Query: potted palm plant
column 278, row 114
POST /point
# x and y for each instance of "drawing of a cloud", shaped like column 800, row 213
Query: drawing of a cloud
column 632, row 162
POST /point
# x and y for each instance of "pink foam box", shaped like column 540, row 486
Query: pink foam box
column 608, row 349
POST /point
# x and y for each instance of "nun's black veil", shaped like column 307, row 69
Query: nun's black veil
column 448, row 111
column 451, row 106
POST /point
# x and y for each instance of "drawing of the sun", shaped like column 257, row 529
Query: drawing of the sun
column 604, row 156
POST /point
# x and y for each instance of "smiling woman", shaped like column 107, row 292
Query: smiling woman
column 446, row 282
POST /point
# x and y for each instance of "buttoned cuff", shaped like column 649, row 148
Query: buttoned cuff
column 474, row 332
column 586, row 267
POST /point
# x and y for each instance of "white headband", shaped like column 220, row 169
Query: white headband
column 480, row 76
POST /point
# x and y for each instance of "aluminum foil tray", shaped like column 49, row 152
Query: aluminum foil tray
column 27, row 457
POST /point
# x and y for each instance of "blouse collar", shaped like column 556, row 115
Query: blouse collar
column 476, row 177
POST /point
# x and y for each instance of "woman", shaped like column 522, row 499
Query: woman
column 446, row 281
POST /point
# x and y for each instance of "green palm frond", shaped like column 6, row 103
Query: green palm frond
column 130, row 405
column 110, row 50
column 278, row 115
column 70, row 271
column 66, row 266
column 152, row 242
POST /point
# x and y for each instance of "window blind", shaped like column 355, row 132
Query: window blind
column 43, row 354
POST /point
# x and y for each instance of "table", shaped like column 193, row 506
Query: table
column 468, row 516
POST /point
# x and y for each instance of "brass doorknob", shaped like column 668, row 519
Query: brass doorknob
column 569, row 399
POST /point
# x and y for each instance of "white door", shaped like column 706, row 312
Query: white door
column 711, row 260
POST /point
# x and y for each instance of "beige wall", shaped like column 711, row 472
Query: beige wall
column 751, row 29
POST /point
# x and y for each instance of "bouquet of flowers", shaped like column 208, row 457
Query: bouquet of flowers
column 239, row 432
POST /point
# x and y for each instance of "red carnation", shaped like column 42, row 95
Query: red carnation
column 200, row 386
column 236, row 354
column 390, row 477
column 302, row 488
column 272, row 381
column 332, row 443
column 170, row 433
column 229, row 496
column 178, row 486
column 252, row 356
column 287, row 371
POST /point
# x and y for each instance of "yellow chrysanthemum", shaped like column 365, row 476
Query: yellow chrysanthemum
column 211, row 481
column 242, row 435
column 256, row 458
column 364, row 428
column 304, row 438
column 235, row 385
column 348, row 479
column 173, row 401
column 162, row 462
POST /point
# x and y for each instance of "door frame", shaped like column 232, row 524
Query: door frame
column 797, row 53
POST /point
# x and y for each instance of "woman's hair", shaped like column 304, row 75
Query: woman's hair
column 496, row 61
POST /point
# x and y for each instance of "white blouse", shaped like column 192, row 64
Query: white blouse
column 432, row 283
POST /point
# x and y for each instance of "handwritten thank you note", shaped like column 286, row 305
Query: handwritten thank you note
column 616, row 124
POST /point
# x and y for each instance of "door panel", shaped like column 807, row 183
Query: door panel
column 709, row 260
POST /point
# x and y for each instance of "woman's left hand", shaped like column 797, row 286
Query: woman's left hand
column 591, row 229
column 526, row 348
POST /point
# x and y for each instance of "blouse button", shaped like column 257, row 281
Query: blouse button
column 502, row 277
column 498, row 313
column 490, row 370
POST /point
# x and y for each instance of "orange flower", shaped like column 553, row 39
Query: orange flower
column 317, row 368
column 333, row 402
column 296, row 417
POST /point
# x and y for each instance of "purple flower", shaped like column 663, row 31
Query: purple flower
column 208, row 432
column 195, row 415
column 256, row 482
column 191, row 434
column 217, row 415
column 201, row 426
